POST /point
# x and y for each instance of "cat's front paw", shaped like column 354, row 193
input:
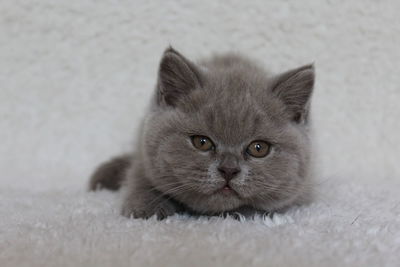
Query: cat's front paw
column 161, row 210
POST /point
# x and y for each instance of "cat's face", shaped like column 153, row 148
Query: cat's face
column 227, row 139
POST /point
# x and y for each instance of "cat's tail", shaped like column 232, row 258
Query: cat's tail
column 110, row 174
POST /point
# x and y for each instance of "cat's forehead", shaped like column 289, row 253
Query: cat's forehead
column 230, row 124
column 236, row 119
column 235, row 107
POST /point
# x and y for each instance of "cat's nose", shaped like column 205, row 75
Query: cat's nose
column 229, row 167
column 228, row 173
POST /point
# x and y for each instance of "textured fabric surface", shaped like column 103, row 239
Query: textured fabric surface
column 75, row 79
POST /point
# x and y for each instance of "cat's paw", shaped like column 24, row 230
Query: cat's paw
column 162, row 210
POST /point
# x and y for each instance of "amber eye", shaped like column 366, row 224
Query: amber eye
column 258, row 149
column 202, row 142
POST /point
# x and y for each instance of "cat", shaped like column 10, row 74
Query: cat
column 221, row 135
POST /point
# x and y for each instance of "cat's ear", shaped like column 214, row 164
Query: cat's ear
column 294, row 88
column 177, row 76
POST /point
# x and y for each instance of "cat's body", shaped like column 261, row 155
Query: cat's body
column 220, row 136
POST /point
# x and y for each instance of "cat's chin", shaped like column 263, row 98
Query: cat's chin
column 221, row 200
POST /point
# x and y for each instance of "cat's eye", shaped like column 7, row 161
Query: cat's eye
column 258, row 149
column 202, row 143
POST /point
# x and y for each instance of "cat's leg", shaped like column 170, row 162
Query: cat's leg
column 142, row 200
column 111, row 174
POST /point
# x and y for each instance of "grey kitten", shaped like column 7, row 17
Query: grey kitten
column 220, row 136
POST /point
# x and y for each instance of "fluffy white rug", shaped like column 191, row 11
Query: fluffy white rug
column 351, row 225
column 75, row 77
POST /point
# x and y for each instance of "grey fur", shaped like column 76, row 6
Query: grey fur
column 233, row 101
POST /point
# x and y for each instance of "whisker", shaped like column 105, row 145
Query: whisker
column 175, row 190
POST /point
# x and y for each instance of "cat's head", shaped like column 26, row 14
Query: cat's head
column 225, row 134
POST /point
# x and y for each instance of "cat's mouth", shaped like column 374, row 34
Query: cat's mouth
column 227, row 190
